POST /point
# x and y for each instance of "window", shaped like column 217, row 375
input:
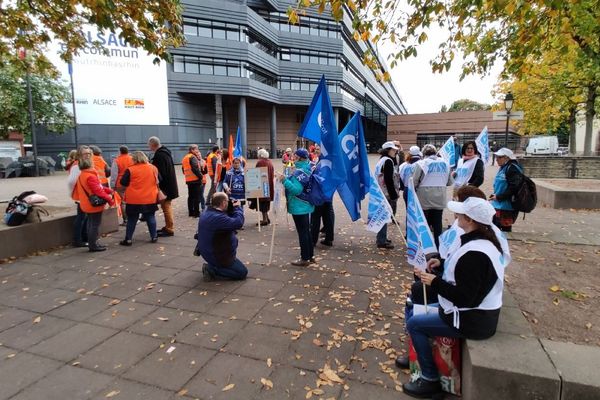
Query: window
column 295, row 57
column 295, row 85
column 304, row 86
column 204, row 31
column 191, row 66
column 305, row 58
column 233, row 35
column 286, row 85
column 323, row 60
column 206, row 69
column 178, row 64
column 285, row 56
column 190, row 30
column 220, row 70
column 233, row 71
column 294, row 28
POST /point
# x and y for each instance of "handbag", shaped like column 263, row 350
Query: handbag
column 160, row 196
column 94, row 199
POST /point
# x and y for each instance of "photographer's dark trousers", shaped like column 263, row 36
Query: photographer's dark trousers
column 236, row 271
column 193, row 201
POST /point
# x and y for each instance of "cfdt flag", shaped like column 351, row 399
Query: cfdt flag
column 358, row 178
column 319, row 126
column 447, row 151
column 483, row 145
column 237, row 150
column 419, row 239
column 380, row 211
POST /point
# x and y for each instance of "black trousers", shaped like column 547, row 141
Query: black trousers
column 323, row 212
column 93, row 227
column 434, row 220
column 194, row 198
column 302, row 223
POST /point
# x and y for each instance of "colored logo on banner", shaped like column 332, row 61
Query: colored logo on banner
column 447, row 152
column 380, row 212
column 418, row 235
column 483, row 145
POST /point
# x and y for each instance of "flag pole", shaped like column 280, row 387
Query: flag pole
column 272, row 241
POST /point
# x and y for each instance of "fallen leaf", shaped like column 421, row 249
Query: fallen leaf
column 162, row 318
column 269, row 362
column 228, row 387
column 588, row 325
column 37, row 319
column 114, row 302
column 182, row 392
column 554, row 288
column 556, row 301
column 317, row 342
column 112, row 393
column 266, row 383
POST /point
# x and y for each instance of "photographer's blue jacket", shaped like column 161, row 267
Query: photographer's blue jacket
column 217, row 240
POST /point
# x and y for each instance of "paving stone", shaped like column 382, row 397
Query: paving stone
column 22, row 370
column 170, row 370
column 197, row 300
column 366, row 368
column 155, row 274
column 180, row 262
column 238, row 307
column 312, row 276
column 210, row 331
column 225, row 286
column 159, row 294
column 82, row 308
column 118, row 353
column 90, row 283
column 356, row 282
column 259, row 288
column 122, row 315
column 290, row 383
column 311, row 294
column 66, row 383
column 260, row 342
column 38, row 299
column 65, row 279
column 11, row 317
column 124, row 270
column 123, row 389
column 281, row 314
column 305, row 354
column 225, row 369
column 188, row 279
column 361, row 391
column 122, row 289
column 72, row 342
column 164, row 322
column 30, row 332
column 277, row 273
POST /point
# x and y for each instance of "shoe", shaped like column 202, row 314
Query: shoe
column 301, row 263
column 388, row 241
column 154, row 239
column 126, row 242
column 81, row 244
column 263, row 223
column 97, row 249
column 388, row 246
column 326, row 243
column 402, row 362
column 124, row 223
column 142, row 219
column 164, row 234
column 312, row 260
column 206, row 275
column 422, row 388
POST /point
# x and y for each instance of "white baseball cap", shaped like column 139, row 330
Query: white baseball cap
column 477, row 209
column 389, row 145
column 414, row 151
column 504, row 152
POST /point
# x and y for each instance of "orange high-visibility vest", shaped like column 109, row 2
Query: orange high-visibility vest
column 186, row 165
column 123, row 161
column 83, row 190
column 100, row 167
column 143, row 184
column 209, row 158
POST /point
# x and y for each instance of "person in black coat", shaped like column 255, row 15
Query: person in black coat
column 163, row 161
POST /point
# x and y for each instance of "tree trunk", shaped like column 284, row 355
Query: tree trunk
column 573, row 131
column 590, row 112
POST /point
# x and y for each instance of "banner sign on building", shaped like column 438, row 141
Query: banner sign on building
column 122, row 87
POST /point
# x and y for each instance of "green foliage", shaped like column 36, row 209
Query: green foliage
column 48, row 95
column 468, row 105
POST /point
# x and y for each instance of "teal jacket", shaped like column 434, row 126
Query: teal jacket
column 293, row 187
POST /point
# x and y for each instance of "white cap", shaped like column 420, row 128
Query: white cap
column 506, row 153
column 414, row 151
column 389, row 145
column 477, row 209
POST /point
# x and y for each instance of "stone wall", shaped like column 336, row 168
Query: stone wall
column 562, row 167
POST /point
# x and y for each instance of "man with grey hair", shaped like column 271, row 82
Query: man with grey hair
column 192, row 171
column 163, row 161
column 431, row 177
column 80, row 223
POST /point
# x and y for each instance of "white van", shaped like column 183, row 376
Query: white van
column 542, row 145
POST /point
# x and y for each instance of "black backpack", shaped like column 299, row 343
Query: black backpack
column 525, row 199
column 17, row 210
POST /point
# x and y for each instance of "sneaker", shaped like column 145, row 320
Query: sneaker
column 81, row 244
column 301, row 263
column 326, row 243
column 164, row 234
column 312, row 260
column 206, row 275
column 98, row 248
column 422, row 388
column 402, row 362
column 154, row 239
column 388, row 246
column 126, row 242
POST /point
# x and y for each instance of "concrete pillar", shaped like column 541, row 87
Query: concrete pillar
column 336, row 117
column 219, row 119
column 273, row 131
column 226, row 127
column 243, row 125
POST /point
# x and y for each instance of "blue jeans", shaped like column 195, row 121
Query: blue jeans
column 421, row 329
column 132, row 219
column 302, row 223
column 202, row 199
column 382, row 234
column 236, row 271
column 80, row 227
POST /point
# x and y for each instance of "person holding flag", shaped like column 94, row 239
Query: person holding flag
column 470, row 169
column 407, row 168
column 322, row 212
column 384, row 171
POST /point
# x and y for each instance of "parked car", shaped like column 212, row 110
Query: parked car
column 539, row 145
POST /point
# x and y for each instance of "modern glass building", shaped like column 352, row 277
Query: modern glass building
column 245, row 65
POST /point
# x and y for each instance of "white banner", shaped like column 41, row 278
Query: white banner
column 380, row 211
column 483, row 146
column 122, row 88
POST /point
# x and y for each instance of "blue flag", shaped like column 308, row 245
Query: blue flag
column 380, row 211
column 356, row 187
column 447, row 151
column 419, row 239
column 483, row 145
column 319, row 126
column 237, row 150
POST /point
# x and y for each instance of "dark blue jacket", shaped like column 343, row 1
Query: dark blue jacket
column 217, row 241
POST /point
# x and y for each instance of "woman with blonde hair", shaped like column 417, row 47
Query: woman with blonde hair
column 141, row 191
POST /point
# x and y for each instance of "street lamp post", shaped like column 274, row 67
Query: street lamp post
column 508, row 104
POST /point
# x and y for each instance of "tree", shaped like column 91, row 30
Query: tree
column 154, row 25
column 468, row 105
column 49, row 97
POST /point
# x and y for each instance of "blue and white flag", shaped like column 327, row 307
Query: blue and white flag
column 447, row 151
column 320, row 127
column 419, row 239
column 358, row 181
column 380, row 211
column 237, row 150
column 483, row 145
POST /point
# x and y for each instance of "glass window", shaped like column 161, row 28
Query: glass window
column 313, row 87
column 233, row 70
column 314, row 59
column 304, row 86
column 190, row 29
column 275, row 24
column 220, row 70
column 285, row 56
column 332, row 61
column 323, row 60
column 295, row 85
column 323, row 32
column 233, row 35
column 333, row 34
column 178, row 65
column 204, row 31
column 305, row 30
column 286, row 85
column 191, row 66
column 206, row 69
column 294, row 28
column 219, row 33
column 295, row 57
column 304, row 58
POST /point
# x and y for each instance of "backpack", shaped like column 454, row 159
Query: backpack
column 312, row 191
column 525, row 199
column 17, row 210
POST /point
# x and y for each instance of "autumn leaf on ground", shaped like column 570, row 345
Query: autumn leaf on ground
column 556, row 301
column 112, row 394
column 269, row 362
column 266, row 383
column 182, row 392
column 588, row 325
column 228, row 387
column 330, row 375
column 554, row 288
column 37, row 319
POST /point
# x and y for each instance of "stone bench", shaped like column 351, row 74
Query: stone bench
column 514, row 364
column 52, row 232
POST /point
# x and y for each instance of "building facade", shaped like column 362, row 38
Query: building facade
column 245, row 65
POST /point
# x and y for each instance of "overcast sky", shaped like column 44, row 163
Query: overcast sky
column 425, row 92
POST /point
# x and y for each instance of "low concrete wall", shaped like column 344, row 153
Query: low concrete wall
column 24, row 239
column 558, row 197
column 561, row 167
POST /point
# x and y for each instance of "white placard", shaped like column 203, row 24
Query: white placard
column 123, row 88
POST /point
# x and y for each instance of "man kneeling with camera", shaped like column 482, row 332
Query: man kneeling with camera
column 217, row 240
